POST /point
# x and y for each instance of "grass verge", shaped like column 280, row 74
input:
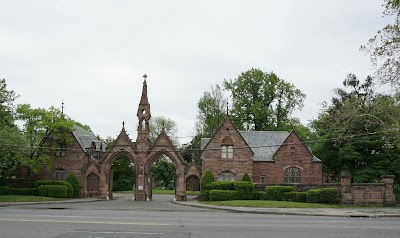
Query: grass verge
column 21, row 198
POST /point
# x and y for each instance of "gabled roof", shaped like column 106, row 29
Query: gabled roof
column 264, row 143
column 86, row 138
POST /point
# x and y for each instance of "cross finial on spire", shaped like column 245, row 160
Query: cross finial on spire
column 123, row 124
column 227, row 108
column 145, row 76
column 62, row 107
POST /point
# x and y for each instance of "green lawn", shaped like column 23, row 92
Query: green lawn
column 270, row 204
column 21, row 198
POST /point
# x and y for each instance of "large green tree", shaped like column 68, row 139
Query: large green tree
column 263, row 101
column 384, row 47
column 44, row 130
column 211, row 111
column 124, row 168
column 358, row 132
column 13, row 144
column 163, row 170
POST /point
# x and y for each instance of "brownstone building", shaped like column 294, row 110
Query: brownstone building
column 268, row 157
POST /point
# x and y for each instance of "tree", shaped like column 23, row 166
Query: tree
column 163, row 170
column 359, row 132
column 156, row 126
column 246, row 178
column 207, row 178
column 263, row 101
column 384, row 47
column 43, row 130
column 13, row 144
column 211, row 112
column 76, row 185
column 124, row 168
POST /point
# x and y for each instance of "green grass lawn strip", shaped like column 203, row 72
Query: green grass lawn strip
column 21, row 198
column 270, row 204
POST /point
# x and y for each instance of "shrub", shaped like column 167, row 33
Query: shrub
column 276, row 192
column 76, row 185
column 70, row 189
column 55, row 191
column 25, row 191
column 122, row 185
column 289, row 196
column 329, row 195
column 246, row 178
column 313, row 196
column 258, row 195
column 223, row 195
column 245, row 190
column 220, row 185
column 301, row 197
column 207, row 178
column 4, row 190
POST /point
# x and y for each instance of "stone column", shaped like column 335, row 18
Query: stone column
column 389, row 198
column 180, row 184
column 345, row 182
column 140, row 192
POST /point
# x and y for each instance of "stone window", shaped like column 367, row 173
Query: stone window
column 263, row 179
column 60, row 151
column 293, row 150
column 59, row 174
column 226, row 176
column 227, row 148
column 292, row 175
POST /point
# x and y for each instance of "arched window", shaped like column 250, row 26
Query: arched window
column 226, row 148
column 292, row 175
column 226, row 176
column 59, row 174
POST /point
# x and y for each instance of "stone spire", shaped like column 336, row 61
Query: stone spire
column 144, row 116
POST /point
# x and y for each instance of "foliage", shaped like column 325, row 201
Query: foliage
column 55, row 191
column 245, row 190
column 211, row 112
column 4, row 190
column 271, row 204
column 70, row 190
column 276, row 192
column 157, row 124
column 207, row 178
column 124, row 168
column 163, row 170
column 329, row 195
column 301, row 197
column 43, row 129
column 289, row 196
column 223, row 195
column 246, row 178
column 313, row 196
column 384, row 47
column 263, row 101
column 191, row 152
column 359, row 132
column 75, row 183
column 258, row 195
column 122, row 185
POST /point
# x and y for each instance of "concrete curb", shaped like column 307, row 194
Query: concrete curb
column 299, row 212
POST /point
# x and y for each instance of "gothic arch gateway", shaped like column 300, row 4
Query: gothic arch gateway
column 142, row 154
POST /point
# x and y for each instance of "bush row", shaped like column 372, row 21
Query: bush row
column 55, row 191
column 5, row 190
column 70, row 190
column 122, row 185
column 243, row 191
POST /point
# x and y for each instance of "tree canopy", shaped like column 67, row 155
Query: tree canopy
column 263, row 101
column 156, row 126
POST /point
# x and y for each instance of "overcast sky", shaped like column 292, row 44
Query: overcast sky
column 93, row 54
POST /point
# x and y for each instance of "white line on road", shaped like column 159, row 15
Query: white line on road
column 88, row 222
column 117, row 232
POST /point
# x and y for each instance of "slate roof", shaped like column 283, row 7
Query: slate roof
column 264, row 144
column 86, row 138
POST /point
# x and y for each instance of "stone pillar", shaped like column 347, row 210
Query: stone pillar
column 345, row 182
column 180, row 184
column 140, row 192
column 389, row 198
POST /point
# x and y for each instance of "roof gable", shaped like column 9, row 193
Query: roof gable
column 264, row 143
column 86, row 138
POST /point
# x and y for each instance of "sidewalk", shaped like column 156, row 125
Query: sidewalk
column 338, row 212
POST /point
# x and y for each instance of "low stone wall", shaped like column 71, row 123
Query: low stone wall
column 379, row 194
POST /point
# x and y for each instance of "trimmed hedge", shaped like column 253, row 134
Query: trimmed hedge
column 76, row 185
column 329, row 195
column 207, row 178
column 276, row 192
column 313, row 196
column 55, row 191
column 289, row 196
column 223, row 195
column 245, row 190
column 258, row 195
column 70, row 190
column 301, row 197
column 25, row 191
column 246, row 178
column 4, row 190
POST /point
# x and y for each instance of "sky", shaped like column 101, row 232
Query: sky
column 92, row 55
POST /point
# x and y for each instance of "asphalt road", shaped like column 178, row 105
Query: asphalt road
column 160, row 218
